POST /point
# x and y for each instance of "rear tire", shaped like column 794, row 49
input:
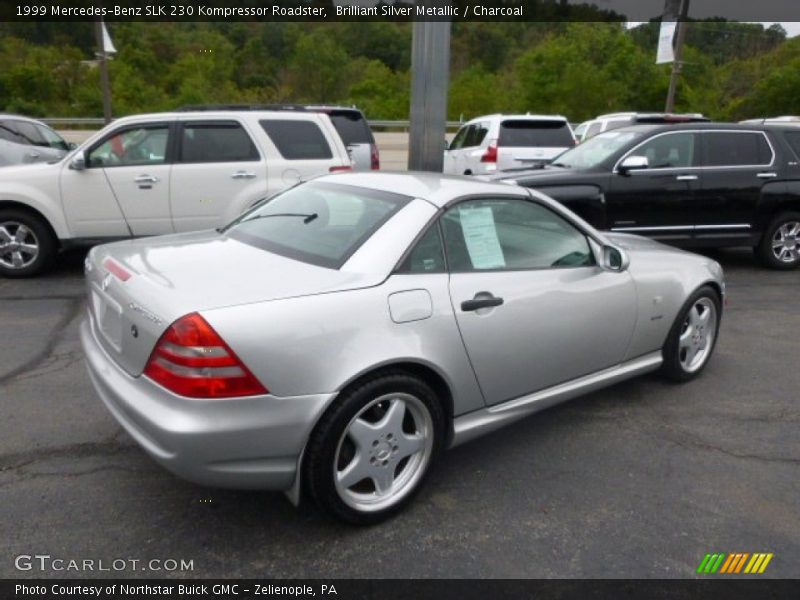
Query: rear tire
column 370, row 452
column 27, row 246
column 693, row 336
column 780, row 246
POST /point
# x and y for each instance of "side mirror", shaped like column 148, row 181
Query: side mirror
column 615, row 259
column 78, row 163
column 633, row 163
column 71, row 146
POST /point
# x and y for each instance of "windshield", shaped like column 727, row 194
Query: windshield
column 596, row 150
column 319, row 223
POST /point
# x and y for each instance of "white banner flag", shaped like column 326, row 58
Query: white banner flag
column 666, row 51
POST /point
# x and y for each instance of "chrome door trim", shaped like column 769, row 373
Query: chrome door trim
column 472, row 425
column 615, row 170
column 684, row 227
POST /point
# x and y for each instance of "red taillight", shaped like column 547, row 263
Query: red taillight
column 490, row 156
column 116, row 269
column 374, row 157
column 340, row 169
column 191, row 359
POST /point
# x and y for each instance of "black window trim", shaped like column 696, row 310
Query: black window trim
column 701, row 144
column 169, row 152
column 530, row 197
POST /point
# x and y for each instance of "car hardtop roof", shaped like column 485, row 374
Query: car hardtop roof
column 518, row 117
column 19, row 117
column 654, row 115
column 436, row 188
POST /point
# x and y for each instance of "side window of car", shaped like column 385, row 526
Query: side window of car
column 9, row 133
column 297, row 139
column 511, row 234
column 222, row 141
column 30, row 133
column 51, row 138
column 735, row 149
column 593, row 129
column 793, row 139
column 427, row 255
column 476, row 134
column 461, row 136
column 144, row 145
column 670, row 151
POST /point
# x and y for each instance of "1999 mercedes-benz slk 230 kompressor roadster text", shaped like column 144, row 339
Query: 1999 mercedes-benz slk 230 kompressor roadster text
column 335, row 338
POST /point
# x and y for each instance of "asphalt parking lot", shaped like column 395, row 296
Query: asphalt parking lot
column 639, row 480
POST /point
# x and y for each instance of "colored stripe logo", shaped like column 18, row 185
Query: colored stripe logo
column 736, row 563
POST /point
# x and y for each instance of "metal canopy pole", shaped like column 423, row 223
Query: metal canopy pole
column 430, row 67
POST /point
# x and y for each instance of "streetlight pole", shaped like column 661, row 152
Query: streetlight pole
column 677, row 63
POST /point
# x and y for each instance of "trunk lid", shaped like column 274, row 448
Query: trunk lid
column 136, row 289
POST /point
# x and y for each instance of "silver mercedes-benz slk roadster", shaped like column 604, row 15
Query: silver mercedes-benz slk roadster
column 335, row 338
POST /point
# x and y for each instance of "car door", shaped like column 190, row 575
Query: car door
column 45, row 144
column 135, row 160
column 218, row 173
column 658, row 200
column 736, row 166
column 105, row 200
column 453, row 156
column 533, row 308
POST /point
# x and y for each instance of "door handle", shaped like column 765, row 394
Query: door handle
column 243, row 175
column 686, row 178
column 33, row 155
column 767, row 175
column 481, row 300
column 146, row 179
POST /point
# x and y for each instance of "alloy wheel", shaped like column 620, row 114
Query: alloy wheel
column 696, row 339
column 383, row 452
column 19, row 246
column 786, row 242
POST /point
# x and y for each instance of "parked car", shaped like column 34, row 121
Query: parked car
column 498, row 142
column 618, row 120
column 349, row 122
column 397, row 314
column 690, row 185
column 24, row 140
column 159, row 173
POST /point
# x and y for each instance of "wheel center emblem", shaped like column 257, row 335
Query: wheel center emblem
column 383, row 451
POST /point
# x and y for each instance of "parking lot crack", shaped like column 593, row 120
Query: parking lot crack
column 56, row 336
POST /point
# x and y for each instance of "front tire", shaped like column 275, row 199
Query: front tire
column 371, row 451
column 780, row 247
column 693, row 336
column 27, row 246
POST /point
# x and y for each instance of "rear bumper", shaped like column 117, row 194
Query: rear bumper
column 245, row 443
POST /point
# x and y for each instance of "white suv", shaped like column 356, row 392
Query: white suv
column 159, row 173
column 501, row 142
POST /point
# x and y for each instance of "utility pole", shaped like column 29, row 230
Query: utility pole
column 677, row 64
column 102, row 56
column 430, row 68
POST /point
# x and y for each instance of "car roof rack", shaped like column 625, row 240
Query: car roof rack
column 657, row 117
column 256, row 107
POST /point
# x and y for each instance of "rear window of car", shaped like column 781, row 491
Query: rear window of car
column 793, row 139
column 532, row 133
column 735, row 149
column 316, row 222
column 297, row 139
column 352, row 127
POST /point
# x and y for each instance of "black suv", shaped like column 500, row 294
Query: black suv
column 690, row 185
